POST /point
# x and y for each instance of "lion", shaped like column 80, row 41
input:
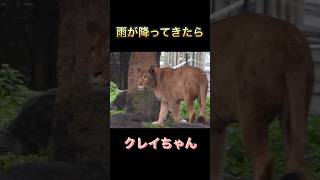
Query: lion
column 171, row 86
column 98, row 67
column 263, row 70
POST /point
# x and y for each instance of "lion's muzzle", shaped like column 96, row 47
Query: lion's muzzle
column 141, row 87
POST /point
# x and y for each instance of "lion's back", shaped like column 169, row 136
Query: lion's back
column 254, row 55
column 187, row 80
column 191, row 74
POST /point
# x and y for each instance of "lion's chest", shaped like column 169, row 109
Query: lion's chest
column 167, row 96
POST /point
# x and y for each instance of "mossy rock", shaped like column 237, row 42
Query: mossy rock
column 145, row 103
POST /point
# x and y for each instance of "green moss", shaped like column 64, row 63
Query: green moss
column 117, row 111
column 10, row 160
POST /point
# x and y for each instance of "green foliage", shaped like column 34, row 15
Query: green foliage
column 238, row 163
column 114, row 91
column 313, row 148
column 10, row 160
column 184, row 111
column 237, row 160
column 13, row 93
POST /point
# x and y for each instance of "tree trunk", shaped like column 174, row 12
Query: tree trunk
column 44, row 49
column 142, row 60
column 144, row 102
column 79, row 129
column 124, row 60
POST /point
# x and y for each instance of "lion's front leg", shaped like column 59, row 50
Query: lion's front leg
column 163, row 113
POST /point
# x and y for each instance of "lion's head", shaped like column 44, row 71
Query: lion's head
column 146, row 79
column 99, row 54
column 98, row 70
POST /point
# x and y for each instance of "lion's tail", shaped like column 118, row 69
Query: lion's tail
column 299, row 97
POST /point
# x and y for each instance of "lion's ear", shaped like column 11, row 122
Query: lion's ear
column 151, row 71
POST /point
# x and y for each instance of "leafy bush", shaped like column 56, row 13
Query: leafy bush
column 114, row 91
column 184, row 111
column 13, row 93
column 238, row 163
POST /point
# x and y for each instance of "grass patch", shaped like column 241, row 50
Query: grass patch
column 117, row 111
column 184, row 112
column 10, row 160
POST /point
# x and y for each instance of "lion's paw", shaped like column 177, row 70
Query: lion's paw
column 183, row 121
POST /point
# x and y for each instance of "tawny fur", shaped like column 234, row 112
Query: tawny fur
column 262, row 70
column 171, row 86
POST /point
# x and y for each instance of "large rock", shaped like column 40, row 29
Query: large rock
column 127, row 120
column 79, row 131
column 31, row 127
column 6, row 141
column 144, row 103
column 188, row 125
column 120, row 102
column 136, row 120
column 50, row 171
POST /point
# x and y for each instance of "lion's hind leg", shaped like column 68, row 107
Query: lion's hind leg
column 202, row 102
column 255, row 136
column 190, row 108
